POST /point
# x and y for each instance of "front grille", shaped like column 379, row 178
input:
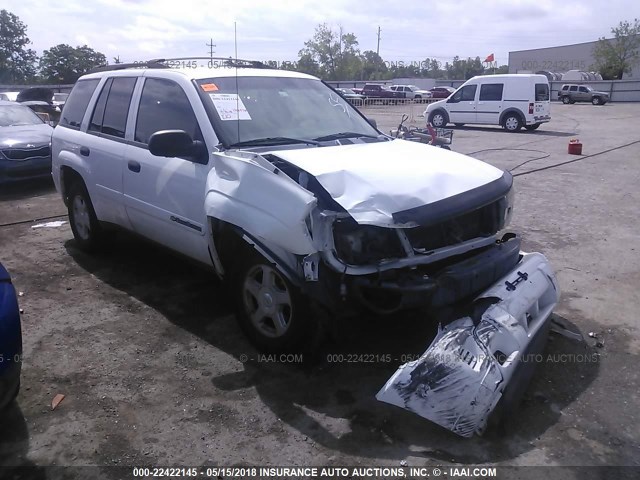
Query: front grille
column 482, row 222
column 26, row 153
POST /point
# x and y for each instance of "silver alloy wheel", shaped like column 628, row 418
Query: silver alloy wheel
column 437, row 120
column 267, row 301
column 81, row 218
column 566, row 100
column 511, row 123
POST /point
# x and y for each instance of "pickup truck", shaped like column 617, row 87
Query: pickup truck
column 376, row 90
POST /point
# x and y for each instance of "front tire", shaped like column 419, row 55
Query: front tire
column 532, row 127
column 271, row 311
column 512, row 122
column 86, row 229
column 459, row 125
column 596, row 101
column 438, row 119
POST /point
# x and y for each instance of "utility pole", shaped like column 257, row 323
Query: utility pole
column 211, row 45
column 378, row 47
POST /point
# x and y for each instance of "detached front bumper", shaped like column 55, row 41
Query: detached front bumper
column 469, row 366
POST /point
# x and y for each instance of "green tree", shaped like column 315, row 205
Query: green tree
column 65, row 64
column 17, row 62
column 464, row 69
column 619, row 55
column 373, row 67
column 335, row 54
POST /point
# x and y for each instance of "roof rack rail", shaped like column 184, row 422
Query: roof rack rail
column 166, row 63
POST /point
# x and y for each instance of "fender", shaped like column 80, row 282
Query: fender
column 261, row 200
column 513, row 110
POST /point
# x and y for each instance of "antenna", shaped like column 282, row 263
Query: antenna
column 235, row 41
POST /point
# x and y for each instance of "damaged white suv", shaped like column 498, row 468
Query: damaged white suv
column 276, row 182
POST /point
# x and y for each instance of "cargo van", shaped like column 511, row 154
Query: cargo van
column 512, row 101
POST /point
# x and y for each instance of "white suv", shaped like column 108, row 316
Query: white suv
column 279, row 185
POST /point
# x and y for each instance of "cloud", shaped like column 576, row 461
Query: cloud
column 138, row 29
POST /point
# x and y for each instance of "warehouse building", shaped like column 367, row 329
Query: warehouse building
column 559, row 60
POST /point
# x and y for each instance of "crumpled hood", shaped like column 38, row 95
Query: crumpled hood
column 25, row 136
column 372, row 181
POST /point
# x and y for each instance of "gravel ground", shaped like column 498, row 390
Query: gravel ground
column 155, row 371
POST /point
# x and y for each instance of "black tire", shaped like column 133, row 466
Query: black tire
column 596, row 101
column 512, row 122
column 446, row 147
column 86, row 229
column 271, row 312
column 459, row 125
column 532, row 127
column 438, row 118
column 566, row 100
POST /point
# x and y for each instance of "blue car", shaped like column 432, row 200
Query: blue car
column 10, row 340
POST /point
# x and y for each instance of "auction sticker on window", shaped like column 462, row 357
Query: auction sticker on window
column 229, row 106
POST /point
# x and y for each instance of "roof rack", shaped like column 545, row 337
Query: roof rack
column 166, row 63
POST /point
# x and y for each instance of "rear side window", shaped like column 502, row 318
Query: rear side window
column 491, row 92
column 542, row 92
column 164, row 106
column 112, row 107
column 77, row 103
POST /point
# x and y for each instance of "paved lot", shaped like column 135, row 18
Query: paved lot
column 146, row 349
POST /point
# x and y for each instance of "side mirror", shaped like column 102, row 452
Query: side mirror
column 373, row 122
column 177, row 143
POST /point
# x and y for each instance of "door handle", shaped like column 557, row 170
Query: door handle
column 133, row 166
column 84, row 151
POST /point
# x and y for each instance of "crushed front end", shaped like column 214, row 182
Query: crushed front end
column 474, row 360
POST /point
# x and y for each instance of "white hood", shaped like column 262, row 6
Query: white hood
column 372, row 181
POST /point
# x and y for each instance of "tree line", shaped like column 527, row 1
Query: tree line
column 329, row 54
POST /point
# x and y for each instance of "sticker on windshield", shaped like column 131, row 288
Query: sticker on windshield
column 209, row 87
column 229, row 106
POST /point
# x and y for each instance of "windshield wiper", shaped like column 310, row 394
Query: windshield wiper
column 272, row 141
column 336, row 136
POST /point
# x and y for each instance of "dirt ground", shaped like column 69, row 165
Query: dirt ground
column 155, row 371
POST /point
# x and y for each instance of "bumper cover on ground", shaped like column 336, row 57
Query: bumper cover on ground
column 461, row 377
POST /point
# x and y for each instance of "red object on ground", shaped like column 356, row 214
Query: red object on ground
column 575, row 147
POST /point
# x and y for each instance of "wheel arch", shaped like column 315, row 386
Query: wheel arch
column 510, row 110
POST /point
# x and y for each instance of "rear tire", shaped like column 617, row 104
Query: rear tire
column 438, row 119
column 512, row 122
column 85, row 226
column 566, row 100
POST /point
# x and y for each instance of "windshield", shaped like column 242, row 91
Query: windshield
column 12, row 115
column 279, row 108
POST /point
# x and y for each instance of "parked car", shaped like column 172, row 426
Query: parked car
column 571, row 93
column 376, row 90
column 310, row 213
column 25, row 144
column 9, row 96
column 350, row 95
column 10, row 340
column 59, row 99
column 441, row 92
column 512, row 101
column 411, row 92
column 40, row 100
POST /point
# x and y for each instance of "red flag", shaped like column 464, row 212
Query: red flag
column 489, row 58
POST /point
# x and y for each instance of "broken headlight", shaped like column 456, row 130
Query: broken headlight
column 365, row 244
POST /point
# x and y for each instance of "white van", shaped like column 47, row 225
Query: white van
column 512, row 101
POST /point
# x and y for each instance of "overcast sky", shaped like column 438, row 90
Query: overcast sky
column 276, row 30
